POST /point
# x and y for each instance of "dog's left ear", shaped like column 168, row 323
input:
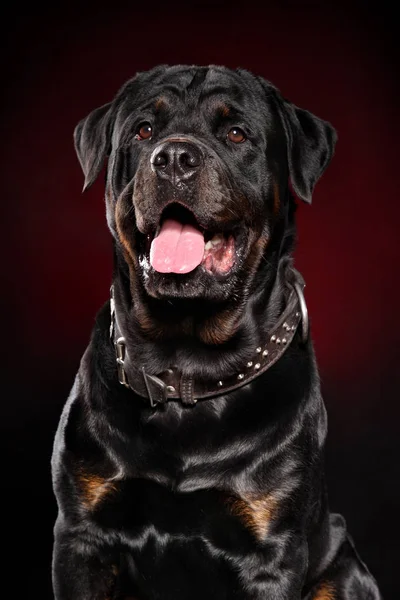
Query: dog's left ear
column 92, row 138
column 310, row 145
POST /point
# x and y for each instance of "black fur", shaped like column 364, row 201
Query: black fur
column 225, row 499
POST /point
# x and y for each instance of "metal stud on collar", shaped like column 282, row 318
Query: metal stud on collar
column 289, row 327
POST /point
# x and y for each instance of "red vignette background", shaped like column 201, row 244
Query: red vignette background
column 337, row 60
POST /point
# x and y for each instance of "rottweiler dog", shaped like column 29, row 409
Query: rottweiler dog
column 188, row 462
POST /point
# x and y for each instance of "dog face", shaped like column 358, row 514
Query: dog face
column 198, row 171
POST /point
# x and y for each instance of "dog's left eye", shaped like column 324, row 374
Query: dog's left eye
column 144, row 131
column 236, row 135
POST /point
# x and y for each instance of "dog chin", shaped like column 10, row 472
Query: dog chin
column 198, row 284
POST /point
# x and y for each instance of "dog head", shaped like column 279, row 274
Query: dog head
column 199, row 163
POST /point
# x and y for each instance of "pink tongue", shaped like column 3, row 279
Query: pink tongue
column 177, row 248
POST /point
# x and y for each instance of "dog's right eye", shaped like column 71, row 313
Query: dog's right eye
column 144, row 131
column 236, row 135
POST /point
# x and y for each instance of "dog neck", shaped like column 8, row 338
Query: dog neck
column 180, row 353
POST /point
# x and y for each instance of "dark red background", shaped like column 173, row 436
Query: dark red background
column 336, row 60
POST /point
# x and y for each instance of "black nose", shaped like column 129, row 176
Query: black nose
column 176, row 161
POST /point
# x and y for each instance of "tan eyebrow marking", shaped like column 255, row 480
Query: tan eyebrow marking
column 225, row 110
column 160, row 104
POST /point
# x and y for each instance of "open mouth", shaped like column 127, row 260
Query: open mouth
column 181, row 244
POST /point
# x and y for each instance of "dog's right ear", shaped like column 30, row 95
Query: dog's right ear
column 92, row 137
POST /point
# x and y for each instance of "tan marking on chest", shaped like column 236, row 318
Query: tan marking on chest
column 255, row 512
column 94, row 488
column 325, row 591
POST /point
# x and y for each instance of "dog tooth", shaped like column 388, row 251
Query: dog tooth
column 216, row 240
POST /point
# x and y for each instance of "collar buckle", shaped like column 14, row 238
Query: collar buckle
column 120, row 347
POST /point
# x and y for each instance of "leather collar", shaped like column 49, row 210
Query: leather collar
column 173, row 385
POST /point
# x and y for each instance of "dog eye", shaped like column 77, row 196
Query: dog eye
column 144, row 131
column 236, row 135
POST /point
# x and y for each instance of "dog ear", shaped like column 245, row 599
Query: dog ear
column 310, row 146
column 92, row 138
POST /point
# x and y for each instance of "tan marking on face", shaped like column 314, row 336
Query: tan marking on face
column 277, row 199
column 220, row 328
column 160, row 104
column 255, row 512
column 120, row 217
column 129, row 254
column 325, row 591
column 150, row 325
column 224, row 110
column 256, row 254
column 94, row 488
